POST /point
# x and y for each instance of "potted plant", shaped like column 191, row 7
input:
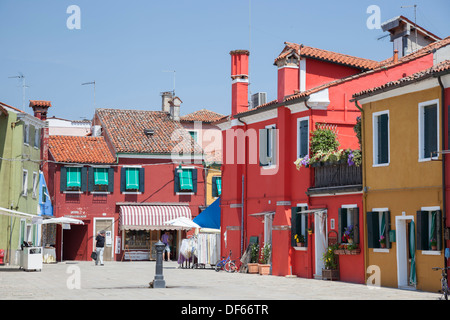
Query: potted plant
column 348, row 235
column 253, row 264
column 330, row 272
column 433, row 244
column 383, row 241
column 264, row 266
column 300, row 239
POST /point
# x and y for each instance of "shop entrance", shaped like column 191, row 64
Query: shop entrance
column 107, row 225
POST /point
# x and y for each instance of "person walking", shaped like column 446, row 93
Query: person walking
column 100, row 247
column 166, row 240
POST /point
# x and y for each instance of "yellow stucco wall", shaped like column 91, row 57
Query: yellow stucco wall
column 405, row 185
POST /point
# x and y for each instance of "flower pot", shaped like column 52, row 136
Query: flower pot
column 330, row 274
column 252, row 268
column 264, row 269
column 300, row 244
column 350, row 240
column 383, row 245
column 433, row 247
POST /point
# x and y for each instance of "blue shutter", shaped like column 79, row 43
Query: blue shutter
column 194, row 180
column 141, row 180
column 111, row 179
column 123, row 179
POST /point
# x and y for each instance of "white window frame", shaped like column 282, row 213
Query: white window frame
column 271, row 165
column 429, row 210
column 375, row 116
column 37, row 138
column 35, row 184
column 26, row 138
column 24, row 182
column 298, row 135
column 421, row 107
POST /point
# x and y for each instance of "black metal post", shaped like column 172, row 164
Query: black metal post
column 159, row 281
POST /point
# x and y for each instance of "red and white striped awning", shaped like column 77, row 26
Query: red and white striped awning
column 152, row 217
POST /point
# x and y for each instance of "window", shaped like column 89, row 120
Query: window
column 348, row 224
column 26, row 133
column 194, row 135
column 132, row 179
column 35, row 184
column 216, row 186
column 101, row 179
column 267, row 145
column 37, row 138
column 299, row 225
column 381, row 138
column 24, row 183
column 429, row 229
column 378, row 226
column 73, row 179
column 185, row 180
column 428, row 129
column 303, row 137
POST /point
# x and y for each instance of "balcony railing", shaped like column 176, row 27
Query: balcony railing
column 332, row 178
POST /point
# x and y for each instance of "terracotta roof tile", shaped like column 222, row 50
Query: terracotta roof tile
column 80, row 149
column 315, row 53
column 40, row 103
column 125, row 129
column 441, row 67
column 202, row 115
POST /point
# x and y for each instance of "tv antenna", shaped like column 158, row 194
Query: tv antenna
column 24, row 86
column 88, row 83
column 415, row 22
column 174, row 75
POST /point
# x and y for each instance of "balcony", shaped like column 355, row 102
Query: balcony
column 336, row 178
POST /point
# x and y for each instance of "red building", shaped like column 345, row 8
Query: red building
column 264, row 195
column 137, row 171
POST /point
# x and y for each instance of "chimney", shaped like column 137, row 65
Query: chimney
column 288, row 76
column 166, row 97
column 239, row 84
column 395, row 56
column 175, row 104
column 40, row 108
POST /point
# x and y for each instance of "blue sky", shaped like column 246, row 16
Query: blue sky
column 125, row 46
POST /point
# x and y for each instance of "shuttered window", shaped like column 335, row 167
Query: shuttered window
column 73, row 177
column 299, row 225
column 429, row 131
column 348, row 219
column 101, row 179
column 303, row 138
column 185, row 180
column 429, row 230
column 381, row 138
column 101, row 176
column 267, row 146
column 378, row 224
column 131, row 179
column 216, row 186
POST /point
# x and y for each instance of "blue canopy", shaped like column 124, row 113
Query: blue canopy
column 210, row 217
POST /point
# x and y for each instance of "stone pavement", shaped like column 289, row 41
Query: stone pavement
column 130, row 280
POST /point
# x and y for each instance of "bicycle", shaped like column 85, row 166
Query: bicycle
column 226, row 264
column 444, row 285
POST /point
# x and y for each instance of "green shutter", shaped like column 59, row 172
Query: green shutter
column 263, row 161
column 373, row 233
column 304, row 137
column 132, row 179
column 293, row 226
column 439, row 229
column 63, row 179
column 342, row 222
column 186, row 180
column 422, row 230
column 355, row 222
column 430, row 130
column 383, row 139
column 101, row 176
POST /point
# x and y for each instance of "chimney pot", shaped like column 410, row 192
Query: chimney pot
column 395, row 56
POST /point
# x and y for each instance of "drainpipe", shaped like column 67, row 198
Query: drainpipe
column 444, row 195
column 244, row 192
column 364, row 185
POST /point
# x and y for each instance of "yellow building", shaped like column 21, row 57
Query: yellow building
column 402, row 181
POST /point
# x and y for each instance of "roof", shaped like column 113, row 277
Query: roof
column 125, row 129
column 80, row 149
column 321, row 54
column 440, row 68
column 202, row 115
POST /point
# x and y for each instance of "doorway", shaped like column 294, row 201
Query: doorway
column 405, row 230
column 106, row 224
column 320, row 240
